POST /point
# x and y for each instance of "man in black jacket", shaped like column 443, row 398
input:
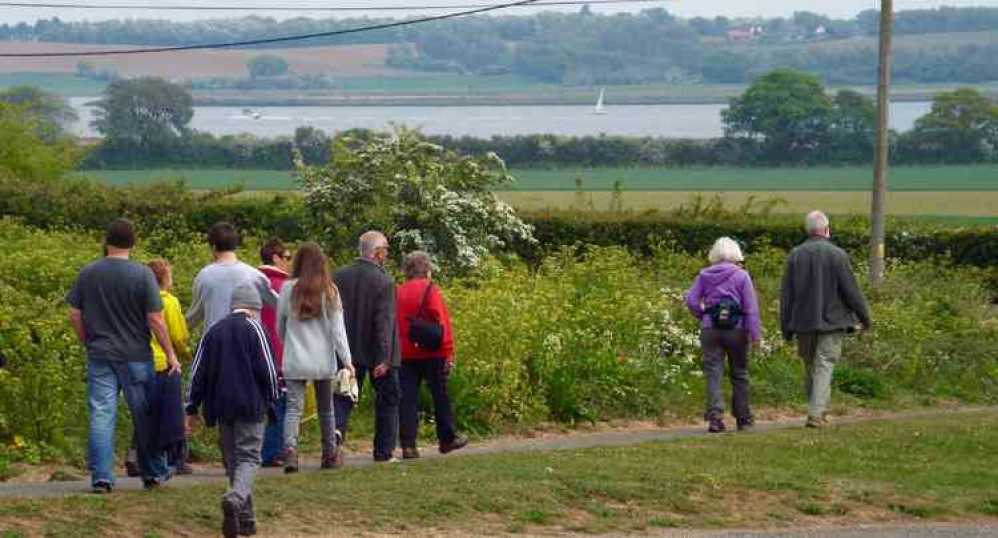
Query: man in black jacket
column 368, row 295
column 819, row 303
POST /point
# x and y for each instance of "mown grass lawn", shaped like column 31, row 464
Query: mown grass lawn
column 941, row 468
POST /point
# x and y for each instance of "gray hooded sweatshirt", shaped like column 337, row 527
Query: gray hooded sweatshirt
column 311, row 346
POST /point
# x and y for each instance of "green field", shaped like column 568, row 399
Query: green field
column 776, row 180
column 62, row 84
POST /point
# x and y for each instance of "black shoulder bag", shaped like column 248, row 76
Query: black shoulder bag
column 425, row 333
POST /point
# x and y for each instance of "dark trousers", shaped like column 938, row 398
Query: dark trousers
column 435, row 373
column 716, row 344
column 273, row 437
column 387, row 394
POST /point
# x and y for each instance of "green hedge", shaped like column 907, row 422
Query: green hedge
column 166, row 212
column 643, row 232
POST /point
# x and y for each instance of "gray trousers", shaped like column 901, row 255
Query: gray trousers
column 716, row 344
column 296, row 405
column 820, row 352
column 241, row 444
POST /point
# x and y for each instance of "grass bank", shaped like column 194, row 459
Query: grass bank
column 940, row 468
column 975, row 178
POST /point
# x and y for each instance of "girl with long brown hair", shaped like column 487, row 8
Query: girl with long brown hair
column 310, row 323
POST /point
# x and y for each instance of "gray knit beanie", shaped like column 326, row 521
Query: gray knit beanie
column 246, row 296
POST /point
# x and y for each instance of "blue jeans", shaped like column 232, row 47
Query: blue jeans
column 104, row 381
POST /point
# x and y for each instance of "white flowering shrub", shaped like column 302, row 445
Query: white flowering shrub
column 421, row 195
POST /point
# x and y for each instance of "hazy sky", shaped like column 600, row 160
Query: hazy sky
column 685, row 8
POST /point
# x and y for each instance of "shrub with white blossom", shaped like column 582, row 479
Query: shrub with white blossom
column 421, row 195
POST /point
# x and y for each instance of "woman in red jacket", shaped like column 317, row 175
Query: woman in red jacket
column 419, row 298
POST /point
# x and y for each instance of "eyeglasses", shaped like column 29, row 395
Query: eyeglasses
column 286, row 257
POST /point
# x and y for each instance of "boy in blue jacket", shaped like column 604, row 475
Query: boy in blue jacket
column 235, row 382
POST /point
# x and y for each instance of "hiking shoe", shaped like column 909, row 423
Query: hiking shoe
column 457, row 443
column 813, row 422
column 333, row 461
column 132, row 469
column 101, row 487
column 716, row 425
column 230, row 515
column 247, row 519
column 184, row 468
column 290, row 460
column 410, row 453
column 746, row 425
column 152, row 483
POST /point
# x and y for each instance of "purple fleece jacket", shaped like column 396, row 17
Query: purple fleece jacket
column 725, row 280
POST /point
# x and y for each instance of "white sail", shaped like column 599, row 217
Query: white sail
column 599, row 103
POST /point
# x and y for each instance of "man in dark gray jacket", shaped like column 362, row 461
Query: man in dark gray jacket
column 819, row 303
column 368, row 295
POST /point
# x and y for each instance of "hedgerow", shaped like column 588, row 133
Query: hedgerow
column 590, row 333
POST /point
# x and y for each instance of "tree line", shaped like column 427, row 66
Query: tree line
column 587, row 48
column 784, row 118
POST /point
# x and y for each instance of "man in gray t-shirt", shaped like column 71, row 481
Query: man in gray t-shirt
column 115, row 309
column 211, row 298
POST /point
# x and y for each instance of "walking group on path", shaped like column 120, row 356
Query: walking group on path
column 269, row 331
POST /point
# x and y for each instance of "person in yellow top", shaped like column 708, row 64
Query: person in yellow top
column 174, row 316
column 179, row 335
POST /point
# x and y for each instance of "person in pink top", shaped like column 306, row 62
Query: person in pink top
column 276, row 258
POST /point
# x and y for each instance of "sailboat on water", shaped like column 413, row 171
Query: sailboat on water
column 600, row 110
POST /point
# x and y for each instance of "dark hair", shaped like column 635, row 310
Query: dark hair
column 273, row 247
column 223, row 237
column 160, row 268
column 314, row 285
column 120, row 234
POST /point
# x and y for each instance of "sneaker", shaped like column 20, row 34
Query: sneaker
column 184, row 468
column 392, row 459
column 276, row 462
column 746, row 425
column 230, row 515
column 716, row 425
column 410, row 453
column 333, row 461
column 290, row 461
column 101, row 487
column 457, row 443
column 339, row 437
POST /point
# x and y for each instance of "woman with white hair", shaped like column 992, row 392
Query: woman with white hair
column 723, row 298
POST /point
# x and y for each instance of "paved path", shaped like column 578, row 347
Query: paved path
column 559, row 442
column 925, row 530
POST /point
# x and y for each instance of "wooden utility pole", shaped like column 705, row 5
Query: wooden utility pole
column 877, row 216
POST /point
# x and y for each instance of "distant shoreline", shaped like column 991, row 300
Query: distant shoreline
column 206, row 99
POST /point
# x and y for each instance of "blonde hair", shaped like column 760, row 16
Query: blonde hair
column 725, row 249
column 160, row 269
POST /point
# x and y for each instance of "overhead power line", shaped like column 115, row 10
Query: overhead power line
column 265, row 41
column 61, row 5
